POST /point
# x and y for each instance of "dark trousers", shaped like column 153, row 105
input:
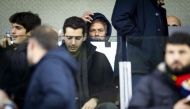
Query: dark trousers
column 108, row 105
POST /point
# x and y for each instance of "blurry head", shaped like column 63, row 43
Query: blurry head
column 173, row 21
column 177, row 55
column 74, row 34
column 42, row 39
column 22, row 25
column 98, row 29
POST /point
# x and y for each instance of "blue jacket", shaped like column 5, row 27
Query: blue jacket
column 102, row 17
column 144, row 25
column 52, row 84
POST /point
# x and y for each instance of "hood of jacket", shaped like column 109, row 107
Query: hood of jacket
column 102, row 17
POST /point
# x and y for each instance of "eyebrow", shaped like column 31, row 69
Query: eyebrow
column 173, row 25
column 17, row 26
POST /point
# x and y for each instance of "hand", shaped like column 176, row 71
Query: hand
column 3, row 99
column 4, row 41
column 86, row 16
column 91, row 104
column 160, row 2
column 182, row 104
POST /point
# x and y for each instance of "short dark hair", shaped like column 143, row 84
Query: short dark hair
column 45, row 36
column 179, row 38
column 100, row 20
column 28, row 20
column 75, row 23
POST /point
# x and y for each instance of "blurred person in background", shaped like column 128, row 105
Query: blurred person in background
column 173, row 21
column 168, row 86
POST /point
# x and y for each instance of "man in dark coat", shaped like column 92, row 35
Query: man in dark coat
column 14, row 75
column 94, row 79
column 169, row 85
column 52, row 83
column 142, row 23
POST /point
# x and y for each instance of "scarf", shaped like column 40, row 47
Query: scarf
column 183, row 83
column 81, row 78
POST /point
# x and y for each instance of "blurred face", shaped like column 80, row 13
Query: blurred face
column 19, row 34
column 172, row 21
column 177, row 57
column 73, row 39
column 97, row 31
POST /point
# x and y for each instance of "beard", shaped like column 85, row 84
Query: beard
column 184, row 70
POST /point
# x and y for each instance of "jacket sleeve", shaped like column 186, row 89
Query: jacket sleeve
column 57, row 86
column 142, row 97
column 123, row 20
column 110, row 91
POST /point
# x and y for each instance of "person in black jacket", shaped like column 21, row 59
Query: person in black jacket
column 142, row 24
column 52, row 83
column 169, row 85
column 94, row 78
column 98, row 26
column 14, row 75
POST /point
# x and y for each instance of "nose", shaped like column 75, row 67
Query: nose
column 176, row 56
column 13, row 31
column 73, row 41
column 96, row 33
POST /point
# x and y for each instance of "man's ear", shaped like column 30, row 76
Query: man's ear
column 31, row 44
column 63, row 35
column 29, row 33
column 84, row 38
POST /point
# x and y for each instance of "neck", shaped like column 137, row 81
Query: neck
column 39, row 55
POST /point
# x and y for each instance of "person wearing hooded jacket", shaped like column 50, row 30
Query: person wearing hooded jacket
column 98, row 26
column 94, row 78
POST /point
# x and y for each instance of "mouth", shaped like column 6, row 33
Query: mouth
column 176, row 65
column 14, row 37
column 97, row 39
column 73, row 48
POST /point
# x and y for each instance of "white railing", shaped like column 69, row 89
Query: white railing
column 125, row 84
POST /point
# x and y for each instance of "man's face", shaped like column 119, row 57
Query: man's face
column 19, row 34
column 177, row 57
column 73, row 39
column 172, row 21
column 97, row 30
